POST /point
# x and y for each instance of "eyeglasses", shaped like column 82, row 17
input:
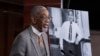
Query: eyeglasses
column 45, row 17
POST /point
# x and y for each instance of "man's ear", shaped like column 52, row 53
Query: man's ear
column 33, row 20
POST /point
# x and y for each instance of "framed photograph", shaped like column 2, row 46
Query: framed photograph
column 70, row 27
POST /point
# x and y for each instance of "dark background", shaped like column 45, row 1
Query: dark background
column 91, row 6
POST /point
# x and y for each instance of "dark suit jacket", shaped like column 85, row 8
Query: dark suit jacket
column 26, row 44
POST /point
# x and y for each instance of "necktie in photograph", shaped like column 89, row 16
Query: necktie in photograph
column 70, row 31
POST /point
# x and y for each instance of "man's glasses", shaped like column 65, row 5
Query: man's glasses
column 45, row 17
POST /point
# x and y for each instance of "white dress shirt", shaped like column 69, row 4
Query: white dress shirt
column 36, row 31
column 65, row 33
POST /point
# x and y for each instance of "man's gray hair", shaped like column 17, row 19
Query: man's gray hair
column 36, row 9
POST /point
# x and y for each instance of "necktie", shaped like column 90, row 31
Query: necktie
column 40, row 40
column 70, row 31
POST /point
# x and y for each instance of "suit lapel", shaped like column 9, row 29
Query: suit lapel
column 34, row 41
column 45, row 39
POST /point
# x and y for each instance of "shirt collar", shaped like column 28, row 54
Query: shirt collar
column 36, row 31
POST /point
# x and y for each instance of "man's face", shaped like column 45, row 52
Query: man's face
column 42, row 19
column 71, row 16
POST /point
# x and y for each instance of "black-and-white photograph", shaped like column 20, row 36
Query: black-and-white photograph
column 69, row 32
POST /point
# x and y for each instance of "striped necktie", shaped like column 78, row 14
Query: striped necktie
column 70, row 31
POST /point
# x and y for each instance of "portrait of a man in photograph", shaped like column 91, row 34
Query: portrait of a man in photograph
column 70, row 27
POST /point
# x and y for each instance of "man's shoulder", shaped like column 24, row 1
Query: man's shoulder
column 23, row 36
column 25, row 32
column 75, row 24
column 66, row 23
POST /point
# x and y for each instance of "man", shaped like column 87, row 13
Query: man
column 33, row 41
column 70, row 34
